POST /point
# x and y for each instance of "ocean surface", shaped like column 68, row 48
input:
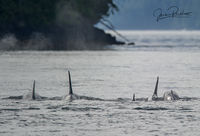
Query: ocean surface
column 109, row 78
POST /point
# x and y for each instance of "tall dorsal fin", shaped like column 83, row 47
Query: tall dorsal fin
column 133, row 97
column 156, row 88
column 33, row 93
column 70, row 84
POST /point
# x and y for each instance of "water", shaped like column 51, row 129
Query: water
column 162, row 40
column 113, row 76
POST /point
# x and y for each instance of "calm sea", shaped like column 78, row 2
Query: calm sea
column 113, row 76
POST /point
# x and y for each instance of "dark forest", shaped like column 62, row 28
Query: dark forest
column 66, row 24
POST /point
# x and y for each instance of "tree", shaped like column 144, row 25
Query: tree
column 51, row 17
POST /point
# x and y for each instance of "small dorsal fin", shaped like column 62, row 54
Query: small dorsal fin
column 70, row 84
column 133, row 97
column 33, row 93
column 172, row 93
column 155, row 93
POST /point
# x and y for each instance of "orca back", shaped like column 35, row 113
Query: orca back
column 170, row 95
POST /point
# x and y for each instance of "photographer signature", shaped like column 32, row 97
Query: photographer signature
column 171, row 12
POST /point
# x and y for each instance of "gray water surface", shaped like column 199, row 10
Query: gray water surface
column 112, row 76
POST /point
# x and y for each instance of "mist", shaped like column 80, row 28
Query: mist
column 61, row 25
column 37, row 41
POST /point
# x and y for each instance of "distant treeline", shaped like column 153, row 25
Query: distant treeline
column 69, row 24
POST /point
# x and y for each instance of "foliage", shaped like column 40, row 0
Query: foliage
column 23, row 17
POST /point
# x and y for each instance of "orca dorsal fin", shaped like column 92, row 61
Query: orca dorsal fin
column 155, row 93
column 133, row 97
column 172, row 93
column 33, row 93
column 70, row 84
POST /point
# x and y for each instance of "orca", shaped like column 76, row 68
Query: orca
column 70, row 84
column 155, row 93
column 168, row 95
column 72, row 96
column 30, row 96
column 133, row 97
column 33, row 93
